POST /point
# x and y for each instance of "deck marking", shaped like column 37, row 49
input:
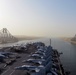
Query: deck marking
column 5, row 71
column 12, row 72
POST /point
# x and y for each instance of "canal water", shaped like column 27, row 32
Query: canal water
column 68, row 58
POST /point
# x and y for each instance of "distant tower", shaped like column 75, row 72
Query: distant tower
column 6, row 37
column 4, row 30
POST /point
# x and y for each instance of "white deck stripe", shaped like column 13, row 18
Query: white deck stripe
column 12, row 72
column 5, row 71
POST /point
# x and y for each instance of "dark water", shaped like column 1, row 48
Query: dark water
column 68, row 58
column 69, row 54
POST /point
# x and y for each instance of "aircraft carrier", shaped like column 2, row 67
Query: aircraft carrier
column 30, row 59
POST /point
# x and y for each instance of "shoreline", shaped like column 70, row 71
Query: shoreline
column 69, row 40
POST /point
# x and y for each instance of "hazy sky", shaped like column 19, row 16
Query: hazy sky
column 52, row 18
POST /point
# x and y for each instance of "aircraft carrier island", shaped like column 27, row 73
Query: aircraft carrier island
column 30, row 59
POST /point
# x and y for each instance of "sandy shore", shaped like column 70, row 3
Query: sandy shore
column 69, row 40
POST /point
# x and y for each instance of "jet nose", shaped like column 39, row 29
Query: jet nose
column 16, row 68
column 37, row 70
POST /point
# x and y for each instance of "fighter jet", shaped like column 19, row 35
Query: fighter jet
column 37, row 56
column 39, row 52
column 29, row 68
column 2, row 56
column 36, row 61
column 6, row 54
